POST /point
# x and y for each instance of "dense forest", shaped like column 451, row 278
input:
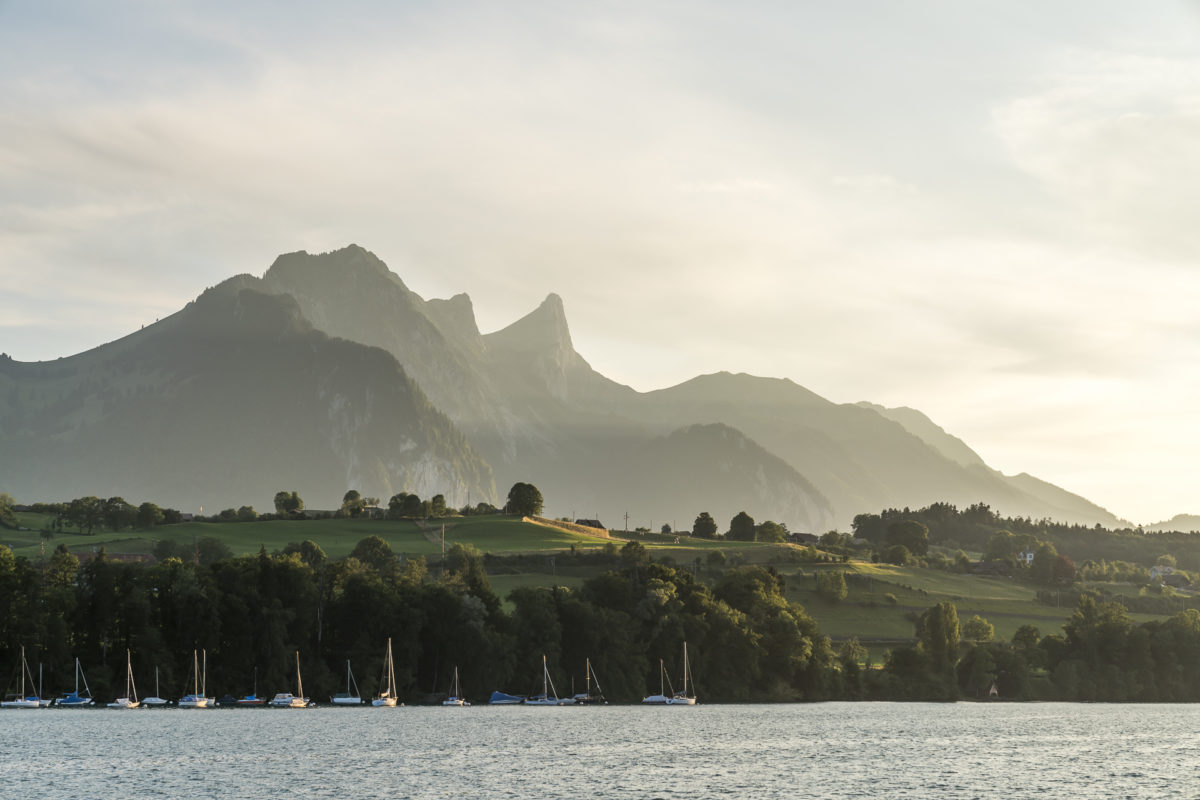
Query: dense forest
column 747, row 642
column 972, row 528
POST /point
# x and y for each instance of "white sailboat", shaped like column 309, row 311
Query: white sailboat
column 289, row 700
column 674, row 698
column 75, row 699
column 156, row 701
column 130, row 699
column 24, row 700
column 387, row 695
column 549, row 696
column 348, row 698
column 198, row 698
column 455, row 698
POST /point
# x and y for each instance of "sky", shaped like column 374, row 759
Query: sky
column 982, row 210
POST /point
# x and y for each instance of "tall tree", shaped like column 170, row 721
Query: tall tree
column 741, row 527
column 705, row 527
column 524, row 500
column 911, row 534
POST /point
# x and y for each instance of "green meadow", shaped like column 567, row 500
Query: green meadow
column 879, row 609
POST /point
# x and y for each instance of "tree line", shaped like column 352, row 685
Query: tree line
column 251, row 613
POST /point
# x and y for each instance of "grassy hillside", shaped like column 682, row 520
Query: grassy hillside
column 336, row 537
column 879, row 609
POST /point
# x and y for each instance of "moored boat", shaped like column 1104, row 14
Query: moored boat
column 348, row 697
column 674, row 698
column 549, row 696
column 199, row 697
column 588, row 697
column 24, row 700
column 289, row 700
column 499, row 698
column 75, row 699
column 155, row 701
column 455, row 698
column 252, row 699
column 129, row 701
column 387, row 695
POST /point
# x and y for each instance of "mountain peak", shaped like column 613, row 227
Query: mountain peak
column 543, row 329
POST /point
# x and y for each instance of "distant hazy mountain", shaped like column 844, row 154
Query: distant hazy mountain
column 439, row 407
column 1184, row 523
column 224, row 403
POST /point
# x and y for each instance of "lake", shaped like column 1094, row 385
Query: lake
column 824, row 750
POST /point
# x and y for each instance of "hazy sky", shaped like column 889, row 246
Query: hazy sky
column 982, row 210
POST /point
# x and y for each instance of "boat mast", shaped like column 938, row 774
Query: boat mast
column 545, row 677
column 587, row 675
column 685, row 669
column 299, row 685
column 24, row 667
column 204, row 680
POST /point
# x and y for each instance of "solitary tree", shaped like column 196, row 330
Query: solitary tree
column 705, row 527
column 288, row 503
column 524, row 500
column 741, row 527
column 352, row 503
column 771, row 532
column 937, row 629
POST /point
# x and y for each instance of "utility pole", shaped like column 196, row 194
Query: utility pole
column 627, row 522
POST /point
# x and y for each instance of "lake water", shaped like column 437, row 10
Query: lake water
column 826, row 750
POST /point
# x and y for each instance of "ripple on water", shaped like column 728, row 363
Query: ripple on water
column 828, row 750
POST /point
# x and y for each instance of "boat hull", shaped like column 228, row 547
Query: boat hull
column 25, row 702
column 124, row 704
column 289, row 701
column 346, row 701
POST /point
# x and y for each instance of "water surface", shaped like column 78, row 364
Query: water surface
column 829, row 750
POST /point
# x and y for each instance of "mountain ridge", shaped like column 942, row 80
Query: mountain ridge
column 531, row 407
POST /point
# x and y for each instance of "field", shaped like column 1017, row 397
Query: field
column 879, row 610
column 336, row 537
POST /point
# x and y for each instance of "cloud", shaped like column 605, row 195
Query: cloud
column 784, row 191
column 1111, row 136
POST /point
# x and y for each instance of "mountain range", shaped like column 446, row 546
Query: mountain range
column 328, row 373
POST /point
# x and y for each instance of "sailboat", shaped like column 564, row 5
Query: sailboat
column 549, row 696
column 289, row 700
column 348, row 698
column 455, row 698
column 252, row 699
column 130, row 699
column 75, row 699
column 674, row 698
column 156, row 701
column 198, row 698
column 586, row 698
column 24, row 700
column 387, row 695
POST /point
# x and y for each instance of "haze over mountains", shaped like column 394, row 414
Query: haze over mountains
column 328, row 373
